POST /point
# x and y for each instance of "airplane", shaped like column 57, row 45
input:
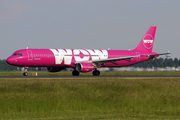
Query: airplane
column 85, row 60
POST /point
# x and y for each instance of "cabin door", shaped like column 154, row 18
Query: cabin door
column 30, row 55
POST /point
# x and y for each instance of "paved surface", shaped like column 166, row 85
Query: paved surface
column 101, row 76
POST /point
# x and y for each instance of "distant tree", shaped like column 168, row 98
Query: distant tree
column 6, row 67
column 159, row 62
column 176, row 62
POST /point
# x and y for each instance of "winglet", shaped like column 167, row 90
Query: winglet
column 147, row 42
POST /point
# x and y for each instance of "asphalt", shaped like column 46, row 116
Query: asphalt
column 101, row 76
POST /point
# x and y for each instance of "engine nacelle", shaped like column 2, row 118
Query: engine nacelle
column 54, row 69
column 84, row 67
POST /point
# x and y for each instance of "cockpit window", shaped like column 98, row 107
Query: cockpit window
column 17, row 54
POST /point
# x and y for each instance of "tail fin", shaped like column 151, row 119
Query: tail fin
column 147, row 42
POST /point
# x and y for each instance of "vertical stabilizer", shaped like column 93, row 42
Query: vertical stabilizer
column 147, row 42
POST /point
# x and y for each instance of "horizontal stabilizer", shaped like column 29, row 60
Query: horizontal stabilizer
column 156, row 54
column 160, row 54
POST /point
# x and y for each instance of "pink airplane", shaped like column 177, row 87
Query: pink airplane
column 85, row 60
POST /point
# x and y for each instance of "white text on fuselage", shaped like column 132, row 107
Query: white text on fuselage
column 78, row 55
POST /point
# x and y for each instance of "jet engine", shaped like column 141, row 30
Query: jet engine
column 84, row 67
column 55, row 69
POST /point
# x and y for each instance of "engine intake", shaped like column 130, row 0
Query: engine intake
column 84, row 67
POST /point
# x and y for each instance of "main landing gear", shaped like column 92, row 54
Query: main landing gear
column 95, row 73
column 25, row 71
column 75, row 73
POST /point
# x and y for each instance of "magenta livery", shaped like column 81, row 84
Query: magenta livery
column 85, row 60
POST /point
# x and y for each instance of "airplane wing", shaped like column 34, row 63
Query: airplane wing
column 112, row 60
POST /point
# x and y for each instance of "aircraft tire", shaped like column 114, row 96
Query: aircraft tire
column 75, row 73
column 25, row 73
column 96, row 72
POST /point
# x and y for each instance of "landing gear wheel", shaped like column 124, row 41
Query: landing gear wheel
column 75, row 73
column 96, row 73
column 25, row 73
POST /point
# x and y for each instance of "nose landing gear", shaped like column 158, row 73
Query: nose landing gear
column 25, row 71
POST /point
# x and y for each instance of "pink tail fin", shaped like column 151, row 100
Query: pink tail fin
column 147, row 42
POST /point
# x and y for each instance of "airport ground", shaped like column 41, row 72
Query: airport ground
column 114, row 74
column 107, row 98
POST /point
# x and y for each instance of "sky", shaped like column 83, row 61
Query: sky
column 88, row 24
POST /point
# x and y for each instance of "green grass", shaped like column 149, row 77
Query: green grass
column 90, row 98
column 62, row 73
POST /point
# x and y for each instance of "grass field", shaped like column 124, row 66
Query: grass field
column 90, row 98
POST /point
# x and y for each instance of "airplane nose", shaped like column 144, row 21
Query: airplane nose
column 9, row 60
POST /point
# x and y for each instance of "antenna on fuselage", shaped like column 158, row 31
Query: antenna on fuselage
column 108, row 48
column 26, row 47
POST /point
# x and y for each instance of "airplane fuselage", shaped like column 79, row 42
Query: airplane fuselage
column 68, row 57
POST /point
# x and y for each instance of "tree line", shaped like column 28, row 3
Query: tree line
column 159, row 62
column 156, row 62
column 6, row 67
